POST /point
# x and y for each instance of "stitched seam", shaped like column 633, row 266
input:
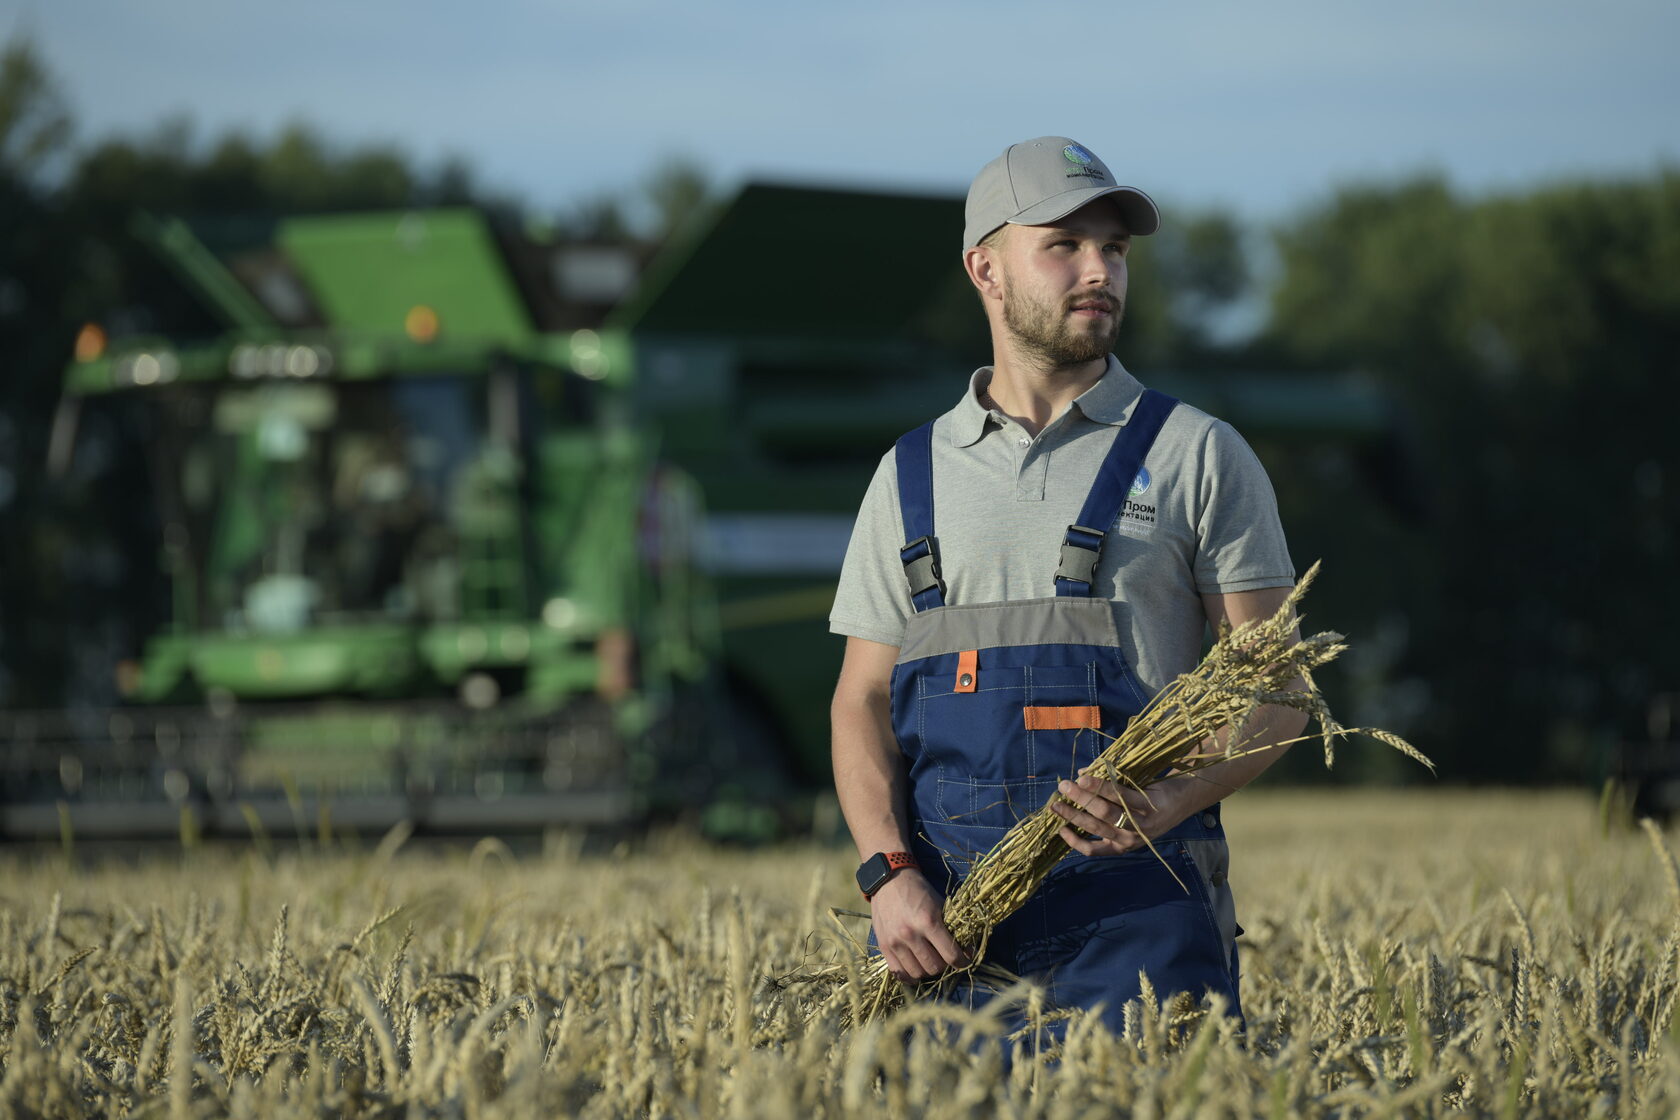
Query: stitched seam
column 1096, row 744
column 1200, row 888
column 1129, row 675
column 1032, row 735
column 921, row 736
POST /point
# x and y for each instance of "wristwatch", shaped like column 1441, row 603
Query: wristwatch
column 873, row 873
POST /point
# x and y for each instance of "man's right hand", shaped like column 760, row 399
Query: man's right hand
column 909, row 921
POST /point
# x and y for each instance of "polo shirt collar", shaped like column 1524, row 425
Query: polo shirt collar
column 1110, row 401
column 1114, row 396
column 970, row 417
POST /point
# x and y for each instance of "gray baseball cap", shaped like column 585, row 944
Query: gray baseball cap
column 1037, row 181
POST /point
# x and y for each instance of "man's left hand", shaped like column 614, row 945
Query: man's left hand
column 1106, row 819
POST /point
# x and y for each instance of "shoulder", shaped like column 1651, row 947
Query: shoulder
column 1206, row 437
column 1187, row 433
column 884, row 486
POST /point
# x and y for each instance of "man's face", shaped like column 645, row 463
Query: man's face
column 1064, row 286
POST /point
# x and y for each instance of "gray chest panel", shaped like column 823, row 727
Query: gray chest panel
column 1063, row 620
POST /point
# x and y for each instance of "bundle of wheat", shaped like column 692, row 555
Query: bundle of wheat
column 1195, row 722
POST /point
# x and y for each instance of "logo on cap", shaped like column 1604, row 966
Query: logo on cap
column 1084, row 164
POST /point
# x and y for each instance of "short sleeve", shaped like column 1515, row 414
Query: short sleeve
column 1240, row 544
column 873, row 599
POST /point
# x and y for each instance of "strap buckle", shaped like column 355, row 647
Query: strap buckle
column 921, row 566
column 1080, row 555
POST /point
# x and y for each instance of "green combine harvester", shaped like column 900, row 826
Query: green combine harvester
column 467, row 531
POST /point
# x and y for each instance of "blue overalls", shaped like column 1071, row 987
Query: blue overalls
column 993, row 703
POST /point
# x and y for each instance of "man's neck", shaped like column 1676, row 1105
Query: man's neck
column 1033, row 394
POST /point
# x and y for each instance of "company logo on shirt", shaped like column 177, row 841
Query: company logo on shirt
column 1138, row 518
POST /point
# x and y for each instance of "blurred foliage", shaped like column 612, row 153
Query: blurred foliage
column 1532, row 341
column 34, row 122
column 1181, row 279
column 37, row 278
column 676, row 197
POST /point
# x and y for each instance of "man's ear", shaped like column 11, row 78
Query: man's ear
column 984, row 271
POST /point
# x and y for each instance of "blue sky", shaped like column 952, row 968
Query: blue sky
column 1259, row 107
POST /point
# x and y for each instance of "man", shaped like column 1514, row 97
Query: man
column 1087, row 531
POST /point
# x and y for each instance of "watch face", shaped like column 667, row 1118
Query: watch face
column 873, row 873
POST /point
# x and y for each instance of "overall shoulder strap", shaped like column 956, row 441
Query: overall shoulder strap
column 1082, row 547
column 915, row 505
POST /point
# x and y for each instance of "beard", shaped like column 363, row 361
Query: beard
column 1051, row 332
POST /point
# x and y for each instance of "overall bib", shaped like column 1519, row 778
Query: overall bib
column 993, row 703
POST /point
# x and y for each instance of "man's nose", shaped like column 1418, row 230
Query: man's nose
column 1094, row 266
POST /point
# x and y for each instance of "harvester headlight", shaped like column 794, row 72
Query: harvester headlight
column 479, row 691
column 515, row 643
column 302, row 361
column 246, row 361
column 589, row 358
column 146, row 368
column 471, row 643
column 249, row 361
column 559, row 614
column 176, row 784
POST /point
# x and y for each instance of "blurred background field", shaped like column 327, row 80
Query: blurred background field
column 1421, row 953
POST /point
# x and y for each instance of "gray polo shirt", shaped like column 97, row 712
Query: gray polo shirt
column 1201, row 518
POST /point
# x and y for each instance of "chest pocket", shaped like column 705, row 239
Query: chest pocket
column 996, row 754
column 983, row 756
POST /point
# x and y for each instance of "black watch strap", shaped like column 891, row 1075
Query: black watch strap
column 873, row 873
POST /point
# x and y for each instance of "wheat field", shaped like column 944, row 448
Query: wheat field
column 1425, row 953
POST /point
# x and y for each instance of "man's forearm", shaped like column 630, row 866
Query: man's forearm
column 906, row 913
column 1265, row 739
column 869, row 777
column 1090, row 805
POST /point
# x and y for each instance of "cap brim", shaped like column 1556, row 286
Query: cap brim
column 1137, row 209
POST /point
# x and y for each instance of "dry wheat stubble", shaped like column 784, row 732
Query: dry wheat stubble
column 1438, row 953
